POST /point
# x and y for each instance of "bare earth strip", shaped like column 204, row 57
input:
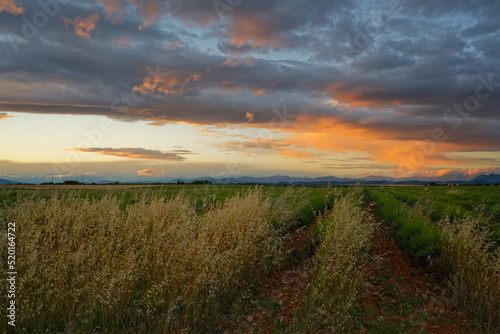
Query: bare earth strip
column 274, row 310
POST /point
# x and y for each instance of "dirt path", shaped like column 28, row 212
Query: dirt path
column 401, row 296
column 274, row 309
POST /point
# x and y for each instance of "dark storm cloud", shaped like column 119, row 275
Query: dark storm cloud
column 453, row 7
column 183, row 62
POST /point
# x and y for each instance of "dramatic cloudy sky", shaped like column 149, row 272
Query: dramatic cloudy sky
column 141, row 89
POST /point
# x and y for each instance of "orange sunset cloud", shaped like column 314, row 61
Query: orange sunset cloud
column 123, row 43
column 113, row 10
column 134, row 153
column 249, row 30
column 168, row 83
column 150, row 10
column 11, row 7
column 83, row 26
column 328, row 134
column 150, row 172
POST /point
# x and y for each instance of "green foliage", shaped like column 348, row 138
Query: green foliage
column 410, row 224
column 71, row 182
column 455, row 202
column 201, row 182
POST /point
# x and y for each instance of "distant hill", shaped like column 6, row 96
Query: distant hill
column 491, row 178
column 4, row 181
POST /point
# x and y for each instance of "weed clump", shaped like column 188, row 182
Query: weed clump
column 471, row 260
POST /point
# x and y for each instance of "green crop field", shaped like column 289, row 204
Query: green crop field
column 455, row 201
column 456, row 231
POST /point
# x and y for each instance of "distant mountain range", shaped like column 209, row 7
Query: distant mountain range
column 4, row 181
column 322, row 180
column 491, row 178
column 282, row 179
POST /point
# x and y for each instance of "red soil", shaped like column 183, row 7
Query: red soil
column 280, row 294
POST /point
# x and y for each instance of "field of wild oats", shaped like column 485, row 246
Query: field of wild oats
column 175, row 259
column 144, row 260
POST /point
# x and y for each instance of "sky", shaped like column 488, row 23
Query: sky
column 137, row 90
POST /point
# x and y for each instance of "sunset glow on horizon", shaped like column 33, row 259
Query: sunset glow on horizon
column 156, row 90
